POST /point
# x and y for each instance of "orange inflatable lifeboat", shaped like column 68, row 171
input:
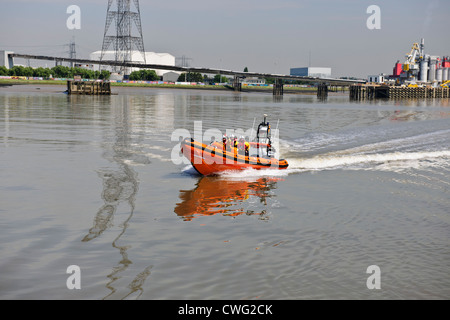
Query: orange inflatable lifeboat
column 218, row 156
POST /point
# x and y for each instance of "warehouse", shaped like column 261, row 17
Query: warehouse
column 311, row 72
column 150, row 58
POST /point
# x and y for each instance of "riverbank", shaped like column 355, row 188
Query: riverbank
column 288, row 89
column 13, row 82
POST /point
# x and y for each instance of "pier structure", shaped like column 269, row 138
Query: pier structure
column 369, row 92
column 88, row 87
column 278, row 87
column 237, row 85
column 322, row 90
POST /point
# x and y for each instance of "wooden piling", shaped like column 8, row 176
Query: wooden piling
column 237, row 85
column 88, row 87
column 322, row 90
column 278, row 87
column 369, row 92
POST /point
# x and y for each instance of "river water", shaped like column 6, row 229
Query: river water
column 91, row 181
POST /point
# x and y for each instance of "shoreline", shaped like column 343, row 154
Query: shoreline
column 40, row 84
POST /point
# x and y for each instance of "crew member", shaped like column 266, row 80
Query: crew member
column 232, row 143
column 225, row 142
column 233, row 140
column 243, row 146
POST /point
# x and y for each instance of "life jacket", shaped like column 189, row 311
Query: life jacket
column 243, row 147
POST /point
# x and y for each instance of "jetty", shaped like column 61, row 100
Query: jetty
column 368, row 92
column 88, row 87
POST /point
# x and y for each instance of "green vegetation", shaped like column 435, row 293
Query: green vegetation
column 220, row 79
column 55, row 72
column 146, row 75
column 191, row 77
column 33, row 82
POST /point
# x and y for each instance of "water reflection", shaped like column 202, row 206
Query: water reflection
column 216, row 195
column 120, row 188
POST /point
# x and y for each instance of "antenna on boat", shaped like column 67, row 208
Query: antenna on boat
column 251, row 133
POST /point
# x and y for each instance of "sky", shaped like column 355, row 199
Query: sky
column 264, row 36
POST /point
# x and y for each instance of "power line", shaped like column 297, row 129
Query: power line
column 183, row 61
column 33, row 46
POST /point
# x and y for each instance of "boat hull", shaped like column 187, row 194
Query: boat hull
column 212, row 159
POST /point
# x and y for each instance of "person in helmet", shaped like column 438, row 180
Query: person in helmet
column 243, row 146
column 225, row 142
column 233, row 141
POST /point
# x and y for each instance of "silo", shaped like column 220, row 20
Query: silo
column 439, row 75
column 432, row 71
column 424, row 71
column 445, row 74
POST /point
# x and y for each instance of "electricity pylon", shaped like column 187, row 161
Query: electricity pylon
column 123, row 40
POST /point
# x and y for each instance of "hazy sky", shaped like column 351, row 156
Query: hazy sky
column 263, row 35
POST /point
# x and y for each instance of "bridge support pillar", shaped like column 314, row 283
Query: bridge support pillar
column 278, row 87
column 237, row 85
column 322, row 90
column 6, row 60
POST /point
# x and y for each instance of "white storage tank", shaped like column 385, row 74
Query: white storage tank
column 445, row 74
column 423, row 71
column 439, row 75
column 432, row 72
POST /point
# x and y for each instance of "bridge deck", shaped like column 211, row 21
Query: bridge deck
column 330, row 81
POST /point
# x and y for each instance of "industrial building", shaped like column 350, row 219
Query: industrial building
column 421, row 68
column 136, row 56
column 253, row 81
column 170, row 76
column 319, row 72
column 376, row 78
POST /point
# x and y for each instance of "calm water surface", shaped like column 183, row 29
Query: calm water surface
column 89, row 181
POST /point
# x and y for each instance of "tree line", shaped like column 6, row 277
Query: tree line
column 55, row 72
column 68, row 72
column 150, row 75
column 146, row 75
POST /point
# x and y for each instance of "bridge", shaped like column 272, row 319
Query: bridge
column 323, row 83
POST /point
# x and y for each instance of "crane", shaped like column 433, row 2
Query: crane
column 411, row 67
